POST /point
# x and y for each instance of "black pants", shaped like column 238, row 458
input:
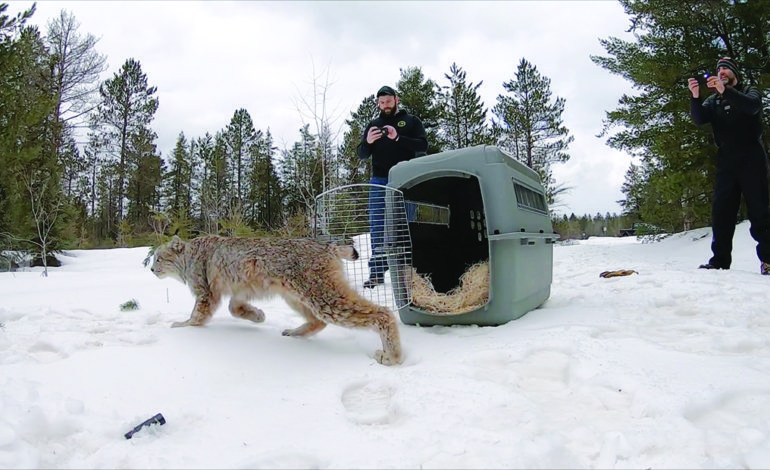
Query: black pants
column 751, row 182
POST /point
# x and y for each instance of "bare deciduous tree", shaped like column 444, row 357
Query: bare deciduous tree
column 76, row 67
column 45, row 208
column 314, row 107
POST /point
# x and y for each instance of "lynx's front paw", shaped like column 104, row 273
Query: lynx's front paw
column 386, row 359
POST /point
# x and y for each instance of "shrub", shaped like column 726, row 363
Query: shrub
column 130, row 305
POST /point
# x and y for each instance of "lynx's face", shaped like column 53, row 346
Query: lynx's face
column 167, row 261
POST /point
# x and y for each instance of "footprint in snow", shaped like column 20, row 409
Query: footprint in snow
column 45, row 352
column 370, row 403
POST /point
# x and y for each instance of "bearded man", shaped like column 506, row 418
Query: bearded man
column 735, row 114
column 393, row 137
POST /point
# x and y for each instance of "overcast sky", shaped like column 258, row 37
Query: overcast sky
column 209, row 59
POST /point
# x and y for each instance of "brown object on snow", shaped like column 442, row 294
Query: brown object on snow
column 622, row 272
column 471, row 294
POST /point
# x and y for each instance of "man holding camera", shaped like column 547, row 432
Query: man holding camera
column 393, row 137
column 735, row 114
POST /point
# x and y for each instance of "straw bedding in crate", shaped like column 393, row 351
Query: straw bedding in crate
column 471, row 294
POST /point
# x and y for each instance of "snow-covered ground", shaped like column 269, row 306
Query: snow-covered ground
column 667, row 368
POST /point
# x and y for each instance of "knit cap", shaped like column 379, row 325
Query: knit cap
column 386, row 91
column 730, row 64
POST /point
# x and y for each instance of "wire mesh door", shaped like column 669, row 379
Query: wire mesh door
column 374, row 219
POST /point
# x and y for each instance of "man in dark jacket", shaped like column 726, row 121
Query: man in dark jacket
column 735, row 114
column 393, row 137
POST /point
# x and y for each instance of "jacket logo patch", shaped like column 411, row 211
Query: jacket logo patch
column 401, row 123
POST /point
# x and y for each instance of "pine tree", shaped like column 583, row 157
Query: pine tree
column 273, row 195
column 265, row 196
column 421, row 97
column 30, row 192
column 633, row 187
column 22, row 113
column 86, row 196
column 255, row 178
column 87, row 180
column 214, row 181
column 673, row 42
column 144, row 184
column 106, row 185
column 72, row 165
column 355, row 170
column 177, row 192
column 127, row 107
column 464, row 115
column 301, row 175
column 240, row 136
column 530, row 124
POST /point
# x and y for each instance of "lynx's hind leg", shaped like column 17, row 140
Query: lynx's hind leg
column 205, row 305
column 240, row 308
column 352, row 311
column 335, row 302
column 385, row 324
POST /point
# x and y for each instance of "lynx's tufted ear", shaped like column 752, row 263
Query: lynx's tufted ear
column 176, row 244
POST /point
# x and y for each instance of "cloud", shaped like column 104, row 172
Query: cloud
column 209, row 59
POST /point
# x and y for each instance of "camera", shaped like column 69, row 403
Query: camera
column 383, row 130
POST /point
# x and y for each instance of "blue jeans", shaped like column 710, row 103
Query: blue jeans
column 377, row 263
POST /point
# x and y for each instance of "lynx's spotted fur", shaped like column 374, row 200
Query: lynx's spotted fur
column 306, row 273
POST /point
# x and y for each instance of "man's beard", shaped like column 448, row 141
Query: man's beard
column 389, row 111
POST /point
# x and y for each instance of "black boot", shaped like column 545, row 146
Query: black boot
column 373, row 282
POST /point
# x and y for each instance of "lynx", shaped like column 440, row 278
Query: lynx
column 306, row 273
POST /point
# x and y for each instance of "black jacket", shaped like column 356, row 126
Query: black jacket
column 386, row 152
column 736, row 119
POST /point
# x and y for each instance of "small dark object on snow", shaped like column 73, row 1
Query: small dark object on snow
column 622, row 272
column 157, row 419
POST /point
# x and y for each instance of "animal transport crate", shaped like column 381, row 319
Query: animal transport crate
column 445, row 216
column 468, row 207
